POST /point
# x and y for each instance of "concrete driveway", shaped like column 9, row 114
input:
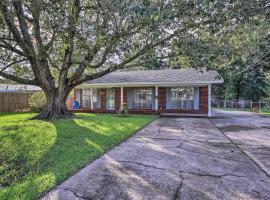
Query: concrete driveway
column 181, row 158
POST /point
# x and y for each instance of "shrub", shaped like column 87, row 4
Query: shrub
column 123, row 111
column 37, row 101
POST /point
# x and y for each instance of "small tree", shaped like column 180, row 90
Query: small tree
column 37, row 101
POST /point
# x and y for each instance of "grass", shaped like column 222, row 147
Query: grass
column 232, row 109
column 37, row 155
column 235, row 109
column 265, row 113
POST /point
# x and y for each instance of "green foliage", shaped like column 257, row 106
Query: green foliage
column 238, row 51
column 37, row 155
column 221, row 35
column 123, row 111
column 37, row 101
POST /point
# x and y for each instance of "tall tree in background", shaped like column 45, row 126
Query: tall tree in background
column 257, row 82
column 235, row 50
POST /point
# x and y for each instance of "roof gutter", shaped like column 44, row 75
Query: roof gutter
column 164, row 84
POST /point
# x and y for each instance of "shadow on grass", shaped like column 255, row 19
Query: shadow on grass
column 71, row 149
column 82, row 140
column 56, row 150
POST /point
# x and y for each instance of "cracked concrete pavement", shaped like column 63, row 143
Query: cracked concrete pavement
column 181, row 158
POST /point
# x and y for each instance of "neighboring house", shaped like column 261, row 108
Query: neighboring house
column 151, row 91
column 18, row 88
column 15, row 97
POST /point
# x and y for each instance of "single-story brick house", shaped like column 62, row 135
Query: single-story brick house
column 149, row 91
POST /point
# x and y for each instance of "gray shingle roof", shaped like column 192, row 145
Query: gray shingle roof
column 18, row 88
column 186, row 76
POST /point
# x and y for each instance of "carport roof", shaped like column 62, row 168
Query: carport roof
column 18, row 88
column 166, row 76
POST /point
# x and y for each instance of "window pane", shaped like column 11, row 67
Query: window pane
column 110, row 99
column 95, row 98
column 182, row 98
column 86, row 98
column 142, row 99
column 86, row 94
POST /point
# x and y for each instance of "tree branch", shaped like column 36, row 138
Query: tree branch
column 72, row 22
column 36, row 26
column 9, row 65
column 123, row 64
column 5, row 38
column 11, row 48
column 12, row 27
column 18, row 79
column 112, row 41
column 23, row 24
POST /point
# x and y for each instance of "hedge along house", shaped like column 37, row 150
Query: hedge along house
column 150, row 92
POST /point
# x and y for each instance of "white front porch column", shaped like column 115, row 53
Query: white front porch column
column 209, row 101
column 91, row 99
column 156, row 98
column 121, row 97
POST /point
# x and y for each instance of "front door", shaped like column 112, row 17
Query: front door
column 110, row 99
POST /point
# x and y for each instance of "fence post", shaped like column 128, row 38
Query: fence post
column 251, row 106
column 260, row 105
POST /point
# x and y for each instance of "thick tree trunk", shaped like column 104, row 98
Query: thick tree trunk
column 56, row 106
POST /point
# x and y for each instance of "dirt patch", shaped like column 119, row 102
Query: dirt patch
column 236, row 128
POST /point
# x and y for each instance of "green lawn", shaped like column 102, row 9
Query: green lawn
column 232, row 109
column 37, row 155
column 265, row 113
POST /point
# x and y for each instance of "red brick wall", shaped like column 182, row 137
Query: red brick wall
column 162, row 98
column 204, row 99
column 103, row 98
column 203, row 107
column 69, row 102
column 117, row 98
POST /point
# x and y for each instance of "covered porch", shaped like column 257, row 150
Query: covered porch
column 144, row 99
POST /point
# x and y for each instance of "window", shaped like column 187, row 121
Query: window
column 182, row 98
column 86, row 95
column 86, row 98
column 142, row 99
column 110, row 99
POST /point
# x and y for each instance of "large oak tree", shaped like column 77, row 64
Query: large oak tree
column 59, row 44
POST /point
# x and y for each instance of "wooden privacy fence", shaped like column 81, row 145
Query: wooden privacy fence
column 14, row 102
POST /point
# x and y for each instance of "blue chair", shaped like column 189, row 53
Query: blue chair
column 76, row 105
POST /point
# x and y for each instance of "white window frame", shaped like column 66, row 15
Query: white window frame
column 90, row 96
column 179, row 102
column 142, row 100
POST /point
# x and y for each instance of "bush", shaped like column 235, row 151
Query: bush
column 123, row 111
column 37, row 101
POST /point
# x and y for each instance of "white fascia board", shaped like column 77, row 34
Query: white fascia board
column 109, row 85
